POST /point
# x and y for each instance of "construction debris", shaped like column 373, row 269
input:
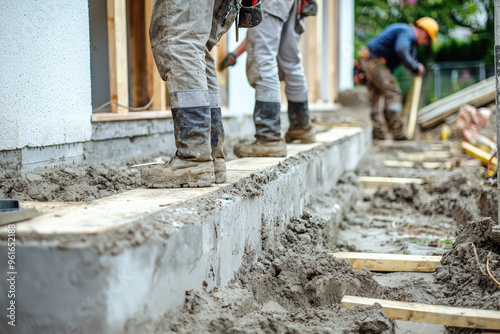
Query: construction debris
column 476, row 95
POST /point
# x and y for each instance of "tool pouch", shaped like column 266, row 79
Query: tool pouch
column 250, row 14
column 309, row 8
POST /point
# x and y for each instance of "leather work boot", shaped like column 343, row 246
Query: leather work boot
column 395, row 125
column 178, row 173
column 267, row 121
column 301, row 128
column 217, row 145
column 261, row 148
column 192, row 165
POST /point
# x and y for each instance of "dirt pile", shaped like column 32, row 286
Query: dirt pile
column 457, row 194
column 233, row 310
column 83, row 183
column 294, row 287
column 464, row 276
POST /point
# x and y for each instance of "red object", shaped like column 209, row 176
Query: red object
column 254, row 2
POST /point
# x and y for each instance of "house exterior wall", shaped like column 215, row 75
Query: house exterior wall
column 45, row 78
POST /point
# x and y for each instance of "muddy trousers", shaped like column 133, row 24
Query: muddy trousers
column 182, row 34
column 382, row 83
column 273, row 53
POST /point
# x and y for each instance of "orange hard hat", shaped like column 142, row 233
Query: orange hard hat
column 429, row 25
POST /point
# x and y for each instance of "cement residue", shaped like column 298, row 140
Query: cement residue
column 70, row 184
column 457, row 194
column 288, row 289
column 353, row 97
column 233, row 310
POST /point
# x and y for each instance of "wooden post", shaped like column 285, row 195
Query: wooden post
column 137, row 25
column 118, row 59
column 333, row 47
column 155, row 85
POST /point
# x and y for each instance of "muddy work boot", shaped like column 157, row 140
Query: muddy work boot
column 261, row 148
column 267, row 121
column 192, row 165
column 217, row 144
column 179, row 173
column 395, row 125
column 301, row 128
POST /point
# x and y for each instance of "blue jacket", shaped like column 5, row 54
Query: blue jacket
column 396, row 43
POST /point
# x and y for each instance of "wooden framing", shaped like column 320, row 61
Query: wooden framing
column 118, row 58
column 431, row 314
column 156, row 87
column 391, row 262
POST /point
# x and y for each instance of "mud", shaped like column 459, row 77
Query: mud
column 69, row 184
column 290, row 288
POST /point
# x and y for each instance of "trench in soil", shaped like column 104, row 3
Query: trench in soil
column 296, row 287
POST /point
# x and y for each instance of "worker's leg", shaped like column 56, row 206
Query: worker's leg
column 374, row 100
column 262, row 73
column 220, row 24
column 179, row 36
column 374, row 93
column 290, row 64
column 216, row 127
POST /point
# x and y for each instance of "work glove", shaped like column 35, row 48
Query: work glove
column 230, row 60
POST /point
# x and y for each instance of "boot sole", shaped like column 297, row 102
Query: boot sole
column 220, row 170
column 189, row 181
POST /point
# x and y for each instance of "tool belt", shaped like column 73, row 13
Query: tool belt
column 250, row 14
column 305, row 8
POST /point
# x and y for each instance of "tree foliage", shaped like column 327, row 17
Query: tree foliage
column 374, row 15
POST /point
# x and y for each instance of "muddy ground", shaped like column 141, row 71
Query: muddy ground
column 297, row 287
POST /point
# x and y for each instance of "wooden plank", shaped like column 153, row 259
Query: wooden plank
column 406, row 108
column 137, row 115
column 387, row 181
column 481, row 155
column 156, row 87
column 399, row 164
column 476, row 95
column 415, row 100
column 137, row 53
column 431, row 314
column 391, row 262
column 118, row 58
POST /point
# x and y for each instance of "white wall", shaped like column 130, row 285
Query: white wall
column 45, row 92
column 241, row 98
column 346, row 44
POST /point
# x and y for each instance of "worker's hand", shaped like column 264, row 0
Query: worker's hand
column 230, row 60
column 421, row 70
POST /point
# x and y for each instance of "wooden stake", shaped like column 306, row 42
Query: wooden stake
column 430, row 314
column 399, row 164
column 118, row 59
column 391, row 262
column 415, row 100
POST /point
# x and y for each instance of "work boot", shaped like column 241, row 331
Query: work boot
column 192, row 165
column 378, row 127
column 395, row 125
column 261, row 148
column 301, row 128
column 267, row 121
column 217, row 143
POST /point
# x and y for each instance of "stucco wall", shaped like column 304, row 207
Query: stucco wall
column 45, row 90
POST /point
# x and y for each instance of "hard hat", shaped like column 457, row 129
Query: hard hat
column 429, row 25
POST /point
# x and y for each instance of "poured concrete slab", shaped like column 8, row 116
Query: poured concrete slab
column 90, row 267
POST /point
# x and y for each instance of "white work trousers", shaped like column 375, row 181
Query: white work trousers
column 273, row 53
column 182, row 33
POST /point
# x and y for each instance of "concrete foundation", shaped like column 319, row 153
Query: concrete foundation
column 92, row 267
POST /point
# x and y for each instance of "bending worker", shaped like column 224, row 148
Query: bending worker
column 182, row 34
column 395, row 45
column 273, row 52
